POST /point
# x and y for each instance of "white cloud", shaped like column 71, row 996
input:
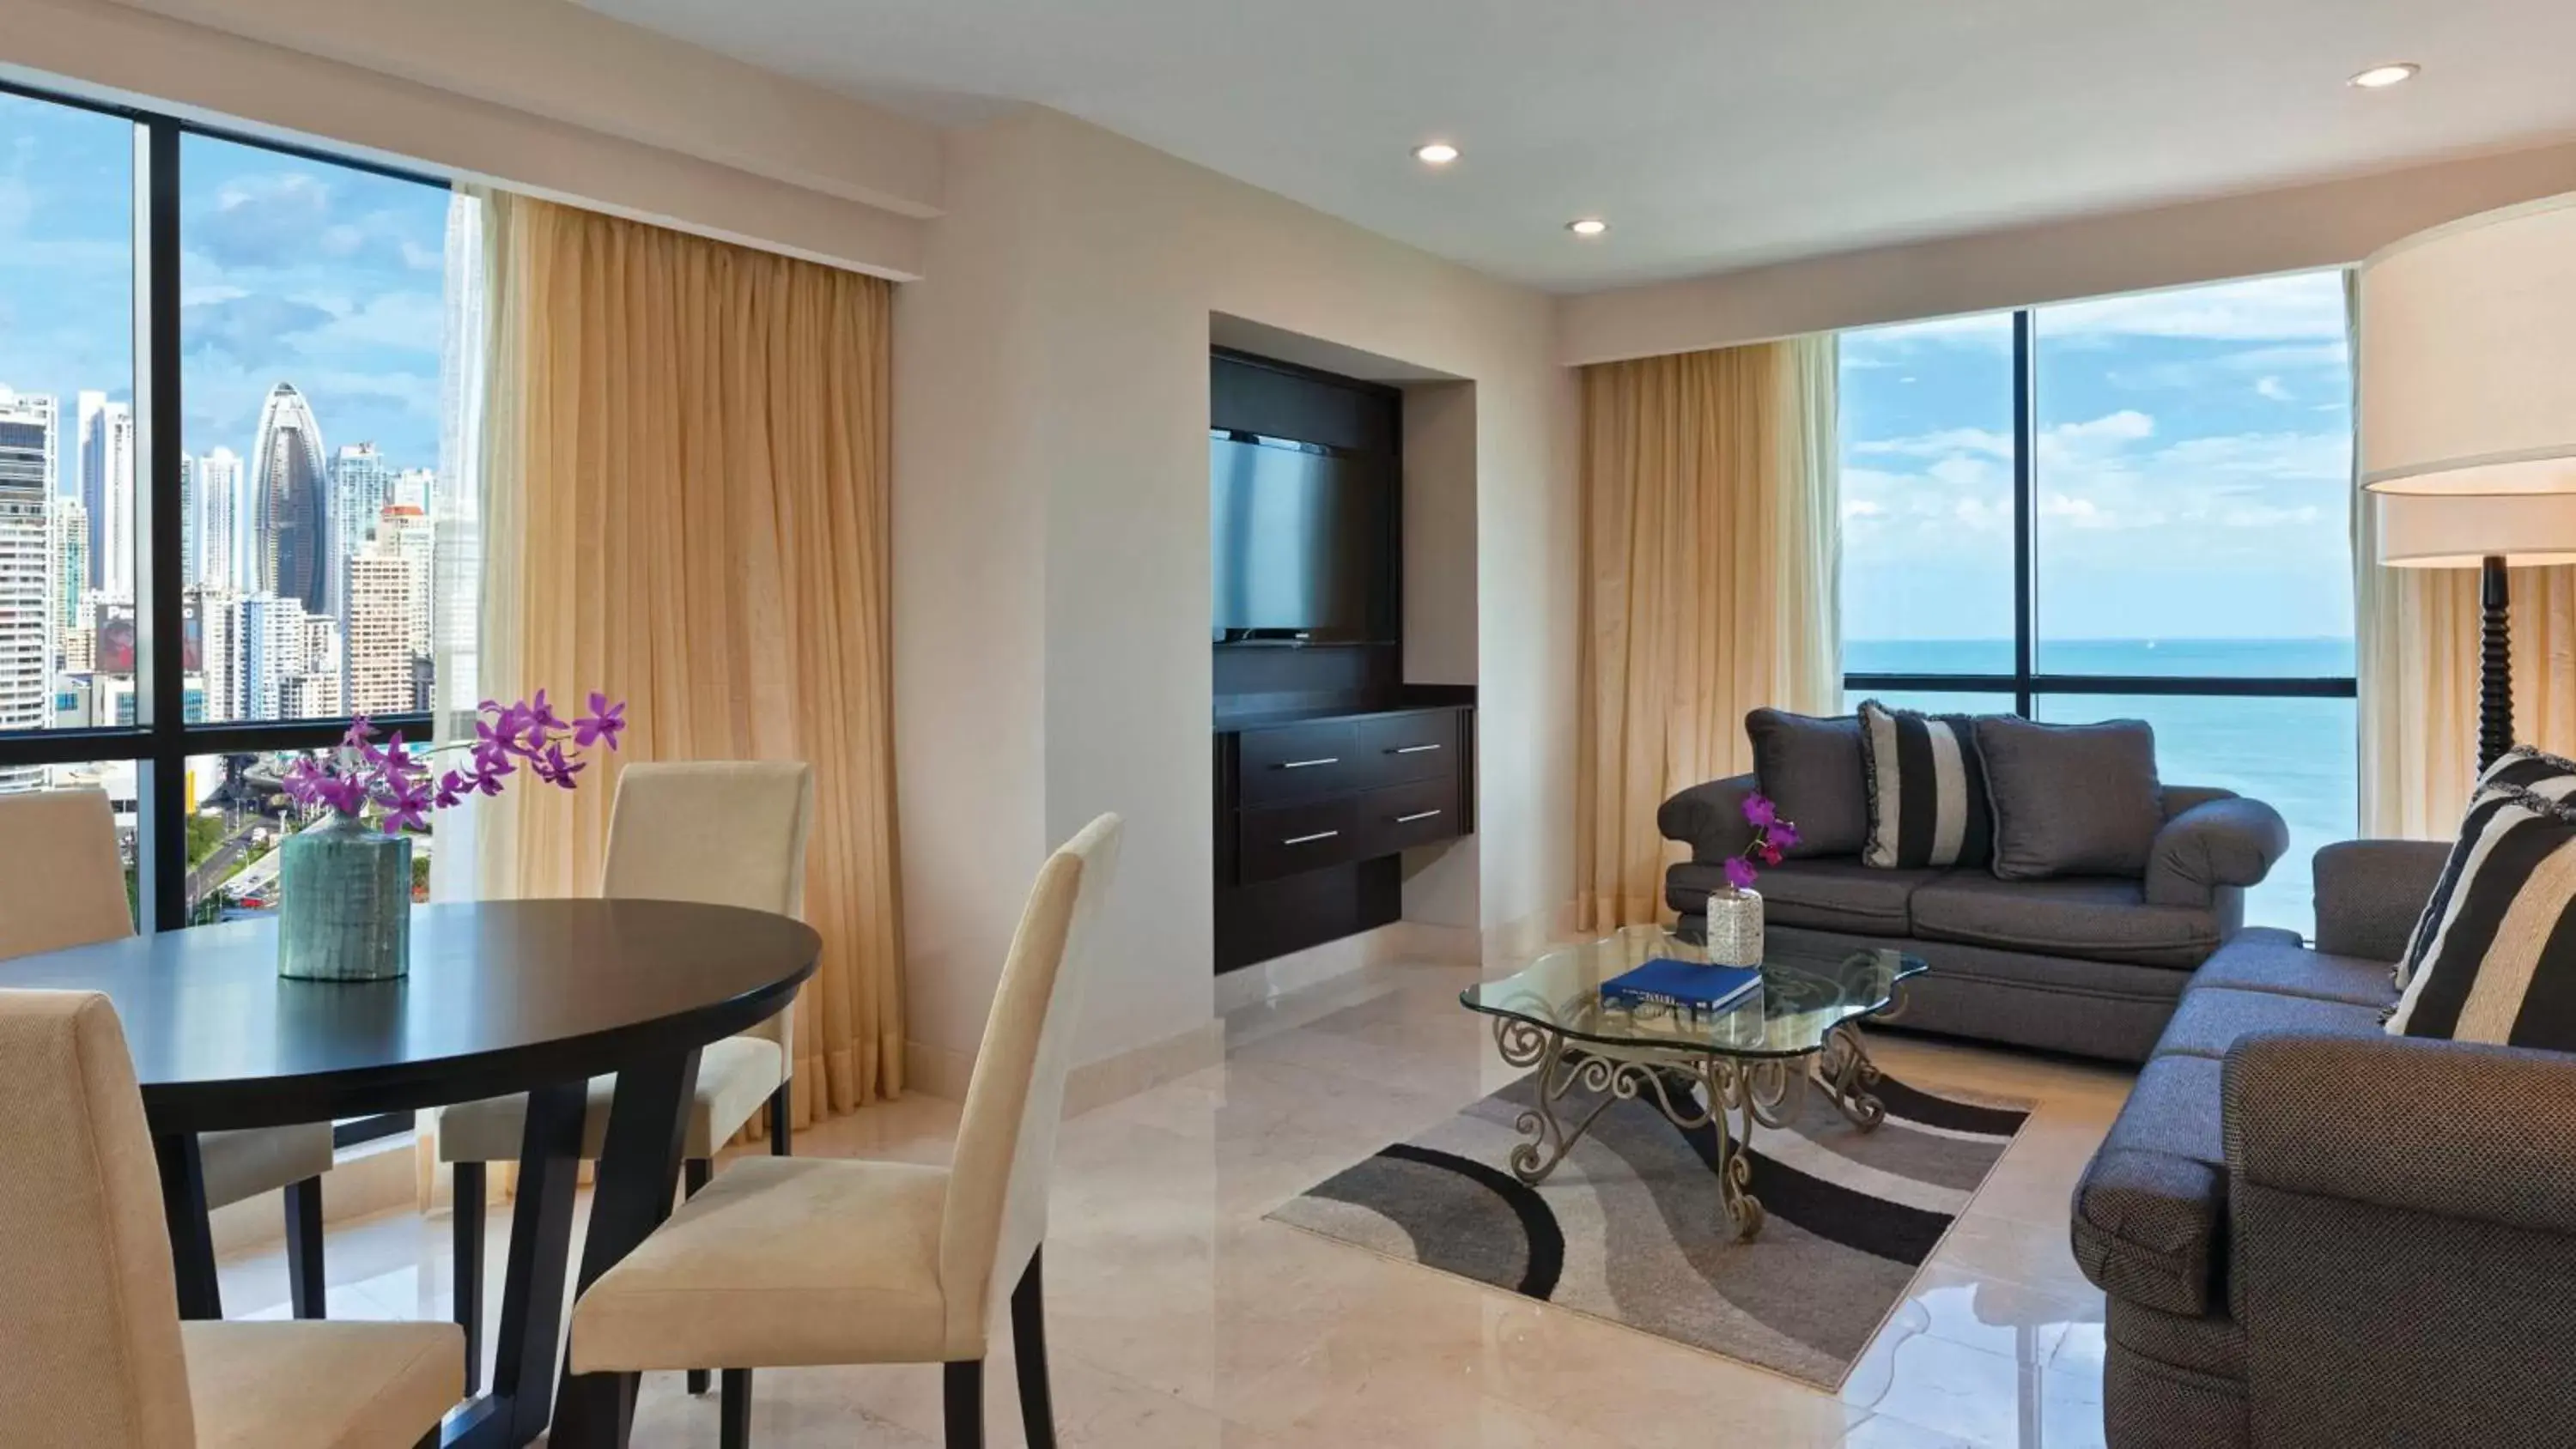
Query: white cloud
column 2306, row 307
column 2268, row 386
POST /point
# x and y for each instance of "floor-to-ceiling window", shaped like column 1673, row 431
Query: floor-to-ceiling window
column 221, row 484
column 2135, row 507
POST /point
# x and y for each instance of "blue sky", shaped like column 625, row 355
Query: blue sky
column 291, row 270
column 2193, row 469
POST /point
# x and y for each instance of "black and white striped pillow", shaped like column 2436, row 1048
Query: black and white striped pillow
column 2501, row 966
column 1927, row 790
column 2520, row 768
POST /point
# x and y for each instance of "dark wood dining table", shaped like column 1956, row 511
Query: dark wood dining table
column 502, row 997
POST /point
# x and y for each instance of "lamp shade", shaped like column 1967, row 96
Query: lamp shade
column 2468, row 356
column 2424, row 531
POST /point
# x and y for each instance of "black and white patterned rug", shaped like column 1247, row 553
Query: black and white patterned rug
column 1628, row 1226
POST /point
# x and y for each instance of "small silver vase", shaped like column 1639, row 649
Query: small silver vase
column 1735, row 927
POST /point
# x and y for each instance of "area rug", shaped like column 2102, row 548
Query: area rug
column 1628, row 1227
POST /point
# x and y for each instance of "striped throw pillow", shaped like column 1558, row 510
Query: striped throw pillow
column 1927, row 790
column 2501, row 967
column 2521, row 768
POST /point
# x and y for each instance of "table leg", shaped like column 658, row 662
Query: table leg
column 1849, row 1075
column 183, row 1209
column 639, row 1169
column 514, row 1413
column 1733, row 1108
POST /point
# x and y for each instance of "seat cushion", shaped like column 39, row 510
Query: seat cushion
column 2212, row 1018
column 2260, row 958
column 297, row 1385
column 1825, row 895
column 248, row 1163
column 735, row 1076
column 2151, row 1206
column 781, row 1262
column 2096, row 917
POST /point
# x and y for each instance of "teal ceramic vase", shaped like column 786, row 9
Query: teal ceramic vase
column 346, row 912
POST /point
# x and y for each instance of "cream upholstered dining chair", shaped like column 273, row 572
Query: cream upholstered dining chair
column 62, row 884
column 92, row 1352
column 812, row 1261
column 727, row 833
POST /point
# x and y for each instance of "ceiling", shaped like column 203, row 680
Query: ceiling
column 1713, row 134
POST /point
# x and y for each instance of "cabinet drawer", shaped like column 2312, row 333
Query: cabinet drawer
column 1287, row 839
column 1406, row 747
column 1300, row 762
column 1403, row 816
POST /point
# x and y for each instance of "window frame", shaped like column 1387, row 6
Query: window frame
column 2024, row 683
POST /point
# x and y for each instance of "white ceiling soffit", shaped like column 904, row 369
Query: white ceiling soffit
column 1713, row 134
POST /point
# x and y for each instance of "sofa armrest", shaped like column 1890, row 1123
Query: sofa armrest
column 2401, row 1239
column 2369, row 893
column 2231, row 841
column 1709, row 819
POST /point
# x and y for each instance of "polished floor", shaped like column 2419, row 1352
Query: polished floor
column 1178, row 1317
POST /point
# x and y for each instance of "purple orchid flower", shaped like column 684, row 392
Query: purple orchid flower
column 452, row 788
column 559, row 771
column 1783, row 834
column 541, row 715
column 1739, row 873
column 605, row 722
column 345, row 794
column 1759, row 811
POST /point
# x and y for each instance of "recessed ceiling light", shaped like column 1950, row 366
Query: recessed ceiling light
column 1587, row 226
column 2379, row 76
column 1435, row 153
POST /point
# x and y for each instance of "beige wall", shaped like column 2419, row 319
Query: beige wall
column 1065, row 324
column 556, row 102
column 2293, row 229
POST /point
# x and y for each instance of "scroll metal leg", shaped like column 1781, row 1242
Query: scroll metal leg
column 1733, row 1109
column 1550, row 1137
column 1849, row 1076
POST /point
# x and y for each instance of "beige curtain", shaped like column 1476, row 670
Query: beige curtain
column 1711, row 563
column 686, row 478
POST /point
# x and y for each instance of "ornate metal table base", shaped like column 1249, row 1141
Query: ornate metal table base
column 1725, row 1094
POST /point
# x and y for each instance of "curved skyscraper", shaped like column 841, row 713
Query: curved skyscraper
column 290, row 542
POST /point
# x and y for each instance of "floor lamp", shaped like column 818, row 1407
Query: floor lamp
column 2489, row 532
column 2466, row 417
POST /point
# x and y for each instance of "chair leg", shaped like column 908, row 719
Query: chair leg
column 962, row 1390
column 1028, row 1348
column 467, row 1211
column 304, row 1280
column 781, row 1106
column 733, row 1410
column 693, row 1175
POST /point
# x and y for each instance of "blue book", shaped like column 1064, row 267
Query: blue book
column 1680, row 986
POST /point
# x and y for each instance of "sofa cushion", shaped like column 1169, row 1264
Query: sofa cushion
column 2261, row 958
column 2151, row 1207
column 2106, row 919
column 1927, row 790
column 2212, row 1018
column 1811, row 769
column 1826, row 895
column 2497, row 966
column 2071, row 799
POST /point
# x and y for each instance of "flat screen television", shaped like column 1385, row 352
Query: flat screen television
column 1303, row 542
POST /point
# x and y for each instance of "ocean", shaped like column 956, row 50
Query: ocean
column 2299, row 755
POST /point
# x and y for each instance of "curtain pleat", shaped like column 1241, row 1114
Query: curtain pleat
column 687, row 479
column 1711, row 569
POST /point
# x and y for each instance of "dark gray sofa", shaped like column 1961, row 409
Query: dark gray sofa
column 2089, row 964
column 2311, row 1233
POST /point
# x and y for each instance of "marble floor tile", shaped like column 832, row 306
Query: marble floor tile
column 1180, row 1318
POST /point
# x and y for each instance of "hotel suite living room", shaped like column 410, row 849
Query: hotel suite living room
column 1287, row 724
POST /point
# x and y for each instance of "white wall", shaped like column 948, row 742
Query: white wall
column 1081, row 272
column 2292, row 229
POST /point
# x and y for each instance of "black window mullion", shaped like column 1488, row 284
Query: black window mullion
column 160, row 625
column 2025, row 508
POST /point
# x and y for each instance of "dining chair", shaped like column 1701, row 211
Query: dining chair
column 728, row 833
column 810, row 1261
column 92, row 1352
column 62, row 884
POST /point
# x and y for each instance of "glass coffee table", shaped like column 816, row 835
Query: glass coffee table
column 1750, row 1064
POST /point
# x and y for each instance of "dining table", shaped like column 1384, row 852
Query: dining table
column 502, row 997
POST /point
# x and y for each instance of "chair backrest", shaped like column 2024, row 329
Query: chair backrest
column 89, row 1319
column 720, row 832
column 62, row 880
column 997, row 1189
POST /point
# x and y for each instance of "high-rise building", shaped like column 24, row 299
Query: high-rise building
column 384, row 592
column 107, row 491
column 69, row 581
column 26, row 646
column 219, row 654
column 219, row 514
column 273, row 652
column 290, row 526
column 408, row 534
column 362, row 483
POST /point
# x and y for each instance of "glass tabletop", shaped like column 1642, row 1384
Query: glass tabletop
column 1806, row 992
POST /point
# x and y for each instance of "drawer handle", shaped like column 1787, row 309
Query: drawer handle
column 1310, row 839
column 1414, row 750
column 1416, row 815
column 1310, row 764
